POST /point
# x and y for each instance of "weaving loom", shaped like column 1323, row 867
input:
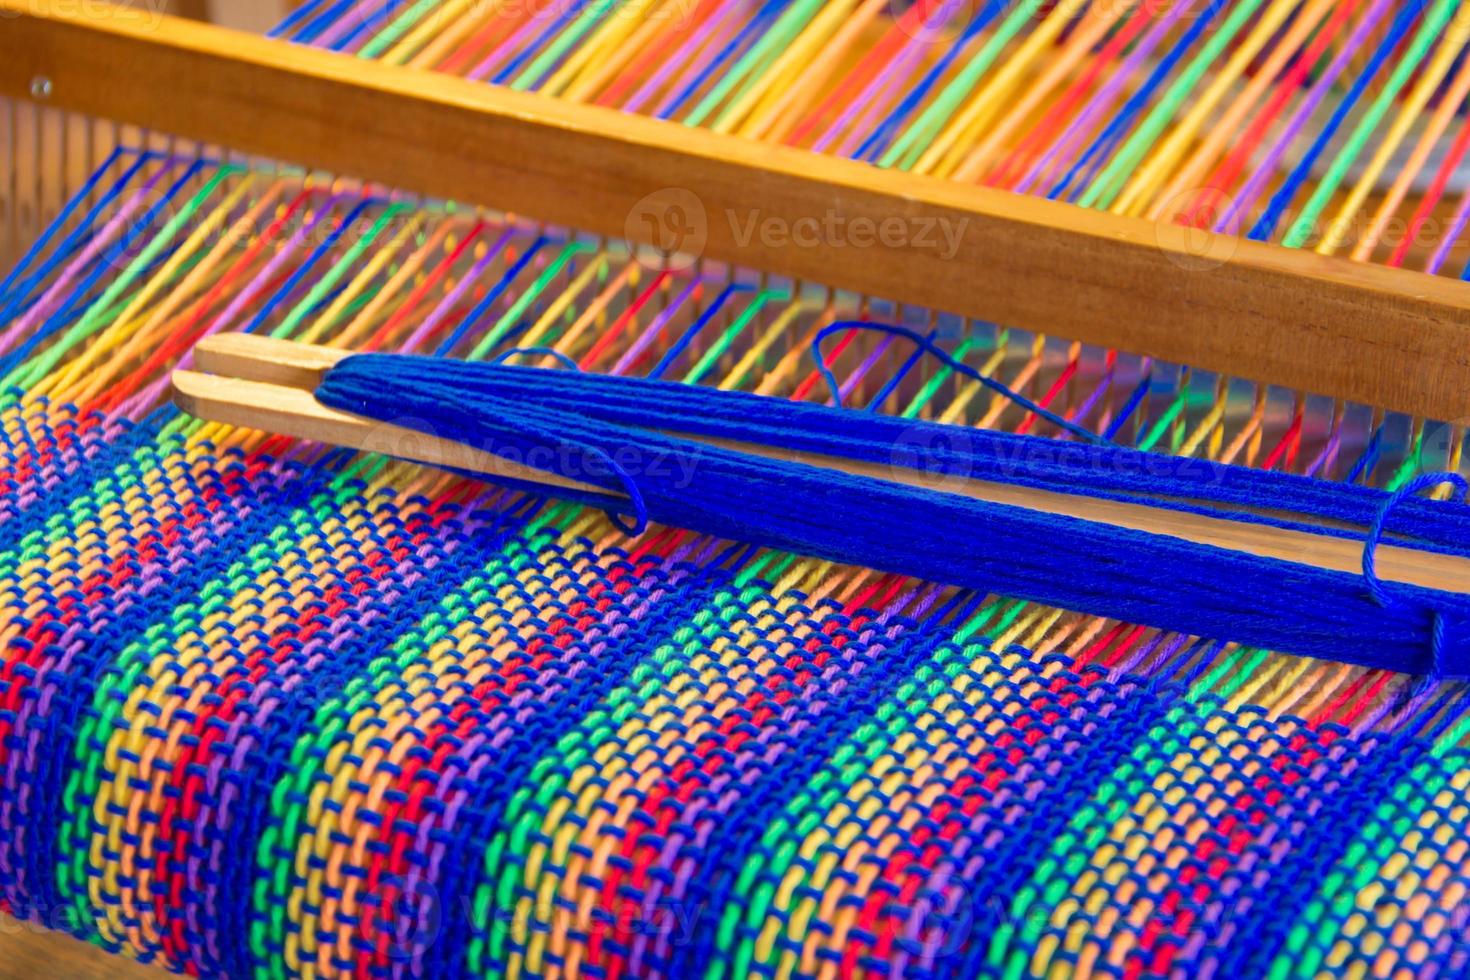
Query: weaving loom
column 274, row 708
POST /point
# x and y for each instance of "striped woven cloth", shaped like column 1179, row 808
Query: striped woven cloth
column 269, row 709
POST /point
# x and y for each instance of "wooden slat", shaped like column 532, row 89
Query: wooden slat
column 1386, row 337
column 267, row 383
column 295, row 412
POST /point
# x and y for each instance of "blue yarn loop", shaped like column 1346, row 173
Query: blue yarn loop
column 643, row 448
column 1375, row 533
column 505, row 357
column 928, row 346
column 1449, row 640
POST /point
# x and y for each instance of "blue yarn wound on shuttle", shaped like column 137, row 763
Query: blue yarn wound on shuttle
column 623, row 438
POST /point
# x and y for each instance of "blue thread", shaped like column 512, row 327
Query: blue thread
column 496, row 291
column 313, row 28
column 367, row 25
column 22, row 291
column 735, row 45
column 1135, row 399
column 1375, row 533
column 1265, row 225
column 949, row 361
column 687, row 337
column 878, row 141
column 561, row 358
column 294, row 19
column 106, row 263
column 1367, row 459
column 309, row 263
column 62, row 218
column 1091, row 160
column 626, row 436
column 891, row 385
column 1447, row 661
column 507, row 73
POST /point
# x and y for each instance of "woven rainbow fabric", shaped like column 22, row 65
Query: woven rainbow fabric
column 269, row 709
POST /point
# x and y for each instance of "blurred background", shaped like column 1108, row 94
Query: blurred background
column 247, row 15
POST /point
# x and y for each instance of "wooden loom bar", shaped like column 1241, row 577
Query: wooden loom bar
column 268, row 384
column 1366, row 333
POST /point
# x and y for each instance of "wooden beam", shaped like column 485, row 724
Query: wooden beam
column 1365, row 333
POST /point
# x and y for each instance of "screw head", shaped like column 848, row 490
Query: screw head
column 41, row 88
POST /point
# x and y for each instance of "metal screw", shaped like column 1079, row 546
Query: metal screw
column 41, row 88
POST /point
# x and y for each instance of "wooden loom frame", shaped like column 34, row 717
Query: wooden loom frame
column 1391, row 338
